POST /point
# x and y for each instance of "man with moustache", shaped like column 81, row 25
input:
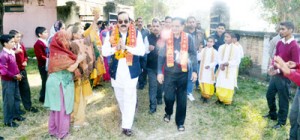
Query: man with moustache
column 125, row 45
column 155, row 89
column 143, row 60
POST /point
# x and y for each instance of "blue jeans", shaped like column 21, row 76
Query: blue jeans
column 190, row 83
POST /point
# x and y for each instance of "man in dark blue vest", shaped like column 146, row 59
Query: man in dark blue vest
column 125, row 45
column 155, row 89
column 174, row 58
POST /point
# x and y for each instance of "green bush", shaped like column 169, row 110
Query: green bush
column 245, row 65
column 30, row 53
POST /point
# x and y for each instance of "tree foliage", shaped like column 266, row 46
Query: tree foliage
column 147, row 9
column 282, row 10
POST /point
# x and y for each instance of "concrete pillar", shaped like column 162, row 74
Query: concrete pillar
column 266, row 56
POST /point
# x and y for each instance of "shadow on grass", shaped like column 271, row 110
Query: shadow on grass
column 242, row 120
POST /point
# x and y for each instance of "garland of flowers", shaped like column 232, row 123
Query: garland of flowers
column 130, row 42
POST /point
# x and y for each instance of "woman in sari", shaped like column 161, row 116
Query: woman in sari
column 60, row 84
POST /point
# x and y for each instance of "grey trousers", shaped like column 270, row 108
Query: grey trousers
column 11, row 100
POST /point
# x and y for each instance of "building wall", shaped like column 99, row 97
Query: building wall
column 27, row 21
column 256, row 46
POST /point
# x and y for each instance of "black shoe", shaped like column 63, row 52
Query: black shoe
column 20, row 118
column 204, row 100
column 218, row 102
column 277, row 126
column 167, row 118
column 180, row 128
column 12, row 124
column 268, row 116
column 159, row 102
column 152, row 111
column 42, row 100
column 33, row 110
column 127, row 132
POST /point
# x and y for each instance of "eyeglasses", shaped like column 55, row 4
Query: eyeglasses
column 123, row 21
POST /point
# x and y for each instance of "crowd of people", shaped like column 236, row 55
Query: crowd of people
column 175, row 54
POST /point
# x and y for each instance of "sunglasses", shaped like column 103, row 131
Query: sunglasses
column 123, row 21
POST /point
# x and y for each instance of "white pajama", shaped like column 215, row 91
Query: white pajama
column 124, row 86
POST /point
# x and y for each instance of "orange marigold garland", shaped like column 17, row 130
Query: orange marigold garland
column 130, row 42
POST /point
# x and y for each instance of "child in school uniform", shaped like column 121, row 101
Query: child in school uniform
column 10, row 75
column 40, row 47
column 209, row 58
column 21, row 59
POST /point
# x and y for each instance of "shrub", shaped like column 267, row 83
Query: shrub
column 245, row 65
column 30, row 53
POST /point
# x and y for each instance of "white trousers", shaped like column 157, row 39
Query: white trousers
column 126, row 98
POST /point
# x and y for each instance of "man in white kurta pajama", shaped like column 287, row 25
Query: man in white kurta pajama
column 226, row 79
column 124, row 76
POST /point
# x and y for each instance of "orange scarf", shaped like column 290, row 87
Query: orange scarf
column 130, row 42
column 183, row 51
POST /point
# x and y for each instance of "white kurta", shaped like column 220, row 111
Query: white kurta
column 241, row 55
column 123, row 78
column 227, row 78
column 240, row 50
column 208, row 57
column 124, row 86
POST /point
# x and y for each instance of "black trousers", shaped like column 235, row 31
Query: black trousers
column 44, row 76
column 25, row 90
column 175, row 85
column 11, row 100
column 142, row 81
column 155, row 89
column 279, row 84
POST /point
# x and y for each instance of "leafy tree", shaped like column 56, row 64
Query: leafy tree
column 282, row 10
column 147, row 9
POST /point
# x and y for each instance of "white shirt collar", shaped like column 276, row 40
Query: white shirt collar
column 17, row 46
column 12, row 52
column 288, row 41
column 44, row 41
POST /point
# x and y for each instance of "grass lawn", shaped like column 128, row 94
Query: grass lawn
column 242, row 120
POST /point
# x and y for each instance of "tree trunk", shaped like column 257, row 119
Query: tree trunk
column 1, row 16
